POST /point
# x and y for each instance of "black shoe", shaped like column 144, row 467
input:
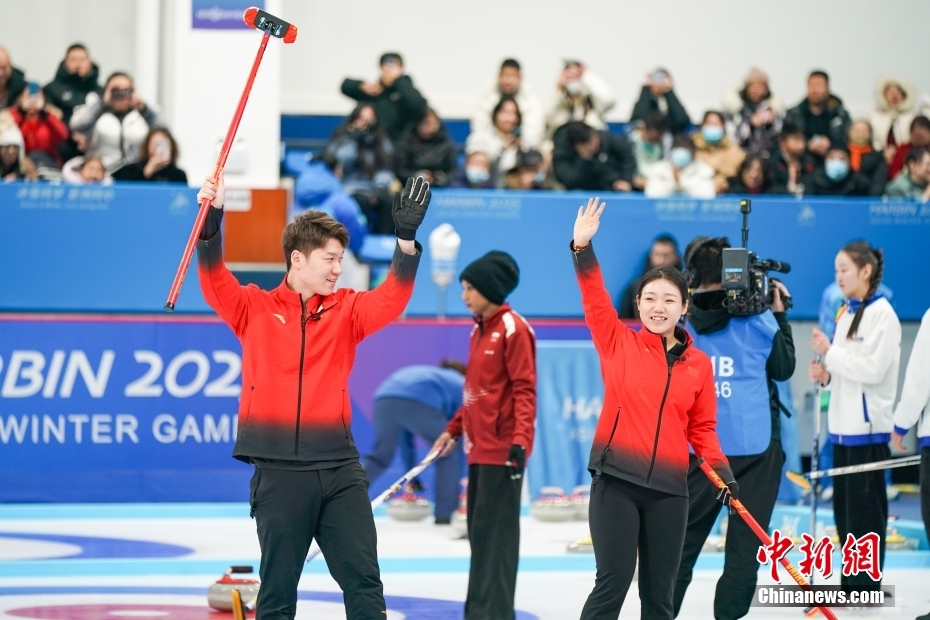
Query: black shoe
column 443, row 520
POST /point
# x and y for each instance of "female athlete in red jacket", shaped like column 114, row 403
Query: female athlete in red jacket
column 659, row 396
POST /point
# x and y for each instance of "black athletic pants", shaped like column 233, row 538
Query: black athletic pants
column 494, row 536
column 624, row 517
column 758, row 476
column 292, row 508
column 860, row 502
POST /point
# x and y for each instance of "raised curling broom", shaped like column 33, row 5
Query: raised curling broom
column 271, row 26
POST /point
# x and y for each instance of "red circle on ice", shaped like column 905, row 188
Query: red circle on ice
column 118, row 612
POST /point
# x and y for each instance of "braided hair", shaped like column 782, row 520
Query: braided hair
column 862, row 254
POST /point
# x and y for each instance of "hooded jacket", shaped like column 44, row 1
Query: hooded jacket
column 69, row 90
column 914, row 406
column 499, row 401
column 24, row 169
column 297, row 355
column 886, row 120
column 655, row 402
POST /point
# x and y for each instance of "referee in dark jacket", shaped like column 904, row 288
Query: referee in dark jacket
column 749, row 353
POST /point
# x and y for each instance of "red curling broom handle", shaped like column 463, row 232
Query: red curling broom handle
column 762, row 534
column 220, row 164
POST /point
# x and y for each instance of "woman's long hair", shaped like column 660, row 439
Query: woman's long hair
column 862, row 254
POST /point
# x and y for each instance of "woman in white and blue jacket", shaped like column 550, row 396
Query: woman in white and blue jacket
column 914, row 408
column 860, row 368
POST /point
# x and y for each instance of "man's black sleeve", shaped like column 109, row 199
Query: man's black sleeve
column 782, row 360
column 678, row 120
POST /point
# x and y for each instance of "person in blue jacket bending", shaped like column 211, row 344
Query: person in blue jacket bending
column 420, row 400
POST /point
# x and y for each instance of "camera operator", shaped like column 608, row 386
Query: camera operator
column 749, row 353
column 114, row 127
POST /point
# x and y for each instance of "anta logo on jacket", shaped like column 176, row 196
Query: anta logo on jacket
column 297, row 355
column 499, row 401
column 655, row 402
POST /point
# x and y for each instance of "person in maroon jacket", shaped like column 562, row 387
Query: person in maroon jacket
column 659, row 396
column 298, row 348
column 497, row 422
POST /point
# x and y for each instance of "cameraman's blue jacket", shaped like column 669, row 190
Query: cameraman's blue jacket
column 748, row 354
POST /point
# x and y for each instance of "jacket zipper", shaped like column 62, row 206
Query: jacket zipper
column 655, row 444
column 300, row 376
column 600, row 463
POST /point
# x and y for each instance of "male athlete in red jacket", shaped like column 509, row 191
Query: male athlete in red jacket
column 298, row 347
column 496, row 422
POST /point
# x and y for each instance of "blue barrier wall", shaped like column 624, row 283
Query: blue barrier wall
column 115, row 249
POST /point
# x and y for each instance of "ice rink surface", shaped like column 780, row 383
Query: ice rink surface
column 94, row 562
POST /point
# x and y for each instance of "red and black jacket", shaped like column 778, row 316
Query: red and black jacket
column 297, row 355
column 655, row 404
column 499, row 401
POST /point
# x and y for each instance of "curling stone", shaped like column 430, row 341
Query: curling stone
column 220, row 594
column 582, row 545
column 409, row 507
column 580, row 498
column 552, row 505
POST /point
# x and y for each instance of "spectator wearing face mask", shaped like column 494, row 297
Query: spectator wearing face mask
column 41, row 126
column 510, row 84
column 158, row 161
column 399, row 105
column 864, row 159
column 476, row 174
column 753, row 178
column 648, row 146
column 116, row 124
column 427, row 151
column 681, row 174
column 713, row 147
column 14, row 165
column 365, row 155
column 914, row 181
column 503, row 140
column 580, row 95
column 529, row 173
column 836, row 178
column 791, row 162
column 754, row 113
column 76, row 78
column 84, row 171
column 919, row 137
column 657, row 95
column 12, row 80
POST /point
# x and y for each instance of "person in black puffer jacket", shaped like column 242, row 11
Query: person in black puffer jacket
column 76, row 77
column 426, row 151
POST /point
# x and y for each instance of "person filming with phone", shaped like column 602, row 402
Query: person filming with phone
column 158, row 161
column 113, row 127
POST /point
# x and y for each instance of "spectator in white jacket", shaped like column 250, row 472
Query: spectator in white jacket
column 681, row 174
column 580, row 95
column 510, row 83
column 114, row 126
column 895, row 108
column 502, row 141
column 860, row 369
column 915, row 399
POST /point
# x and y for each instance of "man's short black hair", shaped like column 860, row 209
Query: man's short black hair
column 706, row 261
column 791, row 129
column 920, row 121
column 511, row 63
column 578, row 133
column 819, row 73
column 391, row 57
column 75, row 46
column 916, row 154
column 656, row 122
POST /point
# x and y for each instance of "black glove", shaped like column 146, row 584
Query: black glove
column 516, row 461
column 410, row 207
column 728, row 493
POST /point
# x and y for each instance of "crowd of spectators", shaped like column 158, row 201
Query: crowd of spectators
column 78, row 131
column 753, row 144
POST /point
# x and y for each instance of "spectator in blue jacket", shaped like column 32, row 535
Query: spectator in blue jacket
column 420, row 399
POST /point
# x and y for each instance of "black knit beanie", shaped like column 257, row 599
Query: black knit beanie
column 494, row 275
